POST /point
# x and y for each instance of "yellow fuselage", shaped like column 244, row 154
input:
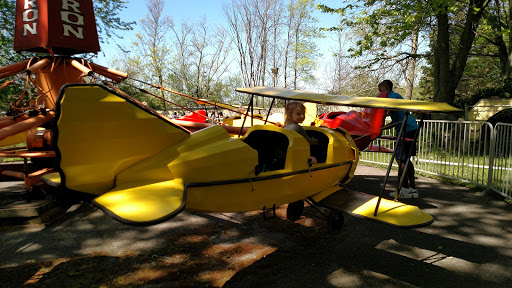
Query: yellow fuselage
column 146, row 170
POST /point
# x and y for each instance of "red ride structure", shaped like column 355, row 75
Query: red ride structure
column 364, row 126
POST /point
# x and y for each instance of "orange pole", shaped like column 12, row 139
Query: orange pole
column 52, row 77
column 38, row 65
column 13, row 69
column 197, row 99
column 81, row 67
column 13, row 174
column 108, row 72
column 10, row 120
column 25, row 125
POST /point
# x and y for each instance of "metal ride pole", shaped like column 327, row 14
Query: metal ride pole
column 383, row 188
column 245, row 117
column 252, row 113
column 269, row 109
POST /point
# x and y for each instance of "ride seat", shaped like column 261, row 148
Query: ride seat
column 319, row 151
column 271, row 146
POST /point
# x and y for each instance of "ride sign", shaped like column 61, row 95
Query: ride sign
column 56, row 26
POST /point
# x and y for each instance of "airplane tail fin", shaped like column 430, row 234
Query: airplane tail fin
column 100, row 133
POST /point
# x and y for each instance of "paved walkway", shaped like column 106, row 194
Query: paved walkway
column 469, row 245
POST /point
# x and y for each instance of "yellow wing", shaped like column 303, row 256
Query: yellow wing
column 144, row 203
column 14, row 139
column 363, row 205
column 384, row 103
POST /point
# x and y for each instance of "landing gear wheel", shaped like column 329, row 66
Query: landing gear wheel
column 295, row 210
column 335, row 222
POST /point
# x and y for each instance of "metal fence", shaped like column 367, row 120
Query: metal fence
column 467, row 151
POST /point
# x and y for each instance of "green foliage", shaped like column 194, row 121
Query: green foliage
column 426, row 84
column 304, row 50
column 504, row 90
column 481, row 77
column 381, row 31
column 385, row 25
column 326, row 9
column 7, row 19
column 7, row 54
column 6, row 94
column 225, row 91
column 479, row 81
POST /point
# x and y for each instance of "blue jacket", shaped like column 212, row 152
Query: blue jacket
column 398, row 116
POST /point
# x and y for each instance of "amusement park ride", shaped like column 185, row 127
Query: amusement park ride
column 143, row 168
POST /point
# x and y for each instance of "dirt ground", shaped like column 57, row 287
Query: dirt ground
column 469, row 245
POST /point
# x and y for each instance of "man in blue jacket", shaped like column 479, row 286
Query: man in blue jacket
column 408, row 189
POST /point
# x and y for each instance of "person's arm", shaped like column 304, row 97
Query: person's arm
column 301, row 131
column 312, row 140
column 386, row 127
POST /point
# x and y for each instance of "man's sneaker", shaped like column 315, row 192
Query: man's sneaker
column 406, row 193
column 415, row 192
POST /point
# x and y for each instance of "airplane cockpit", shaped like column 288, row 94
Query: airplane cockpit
column 272, row 147
column 280, row 148
column 319, row 151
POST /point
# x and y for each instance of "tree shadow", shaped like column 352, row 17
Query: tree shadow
column 458, row 249
column 466, row 246
column 17, row 276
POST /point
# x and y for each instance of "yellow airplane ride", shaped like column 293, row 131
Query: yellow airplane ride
column 142, row 169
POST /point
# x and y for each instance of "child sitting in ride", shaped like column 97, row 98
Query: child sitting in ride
column 295, row 113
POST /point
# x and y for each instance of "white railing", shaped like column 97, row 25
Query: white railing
column 500, row 176
column 467, row 151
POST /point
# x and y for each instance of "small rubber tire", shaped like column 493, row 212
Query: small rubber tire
column 295, row 210
column 335, row 222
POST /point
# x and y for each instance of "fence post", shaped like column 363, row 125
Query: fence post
column 492, row 149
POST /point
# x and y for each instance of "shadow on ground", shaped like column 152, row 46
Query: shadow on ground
column 469, row 245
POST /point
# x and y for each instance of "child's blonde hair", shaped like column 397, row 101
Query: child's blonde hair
column 290, row 108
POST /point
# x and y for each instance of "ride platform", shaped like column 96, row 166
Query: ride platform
column 17, row 212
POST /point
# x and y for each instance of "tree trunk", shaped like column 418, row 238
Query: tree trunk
column 504, row 55
column 448, row 77
column 295, row 60
column 509, row 26
column 412, row 65
column 286, row 56
column 442, row 73
column 466, row 42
